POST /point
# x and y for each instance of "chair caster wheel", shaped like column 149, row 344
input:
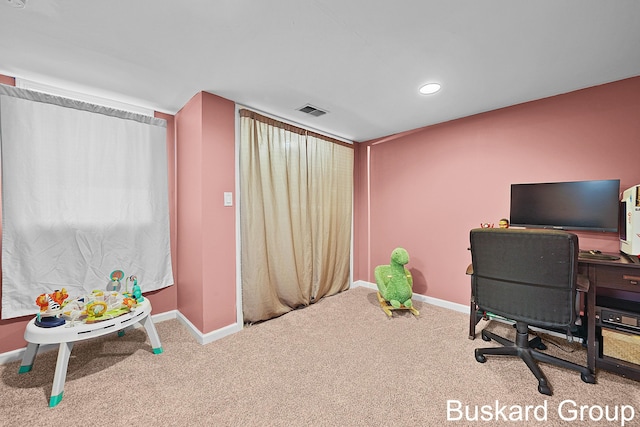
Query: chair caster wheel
column 485, row 337
column 544, row 389
column 541, row 346
column 480, row 357
column 588, row 378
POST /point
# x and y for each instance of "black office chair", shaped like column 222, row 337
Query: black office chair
column 529, row 277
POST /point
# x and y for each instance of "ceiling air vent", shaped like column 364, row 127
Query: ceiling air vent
column 310, row 109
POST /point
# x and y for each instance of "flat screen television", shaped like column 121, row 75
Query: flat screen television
column 577, row 205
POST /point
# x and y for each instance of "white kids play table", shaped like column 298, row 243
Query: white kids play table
column 66, row 335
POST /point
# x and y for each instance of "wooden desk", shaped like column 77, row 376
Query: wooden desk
column 621, row 275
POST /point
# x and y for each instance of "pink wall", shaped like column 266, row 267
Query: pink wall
column 207, row 247
column 6, row 80
column 429, row 187
column 12, row 330
column 166, row 299
column 189, row 184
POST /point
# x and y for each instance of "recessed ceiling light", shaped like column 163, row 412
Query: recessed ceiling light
column 17, row 3
column 429, row 88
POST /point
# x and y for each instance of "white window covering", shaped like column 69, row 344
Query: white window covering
column 84, row 193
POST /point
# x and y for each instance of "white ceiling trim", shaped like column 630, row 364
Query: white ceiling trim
column 84, row 97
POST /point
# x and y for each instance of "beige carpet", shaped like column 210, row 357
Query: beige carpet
column 340, row 362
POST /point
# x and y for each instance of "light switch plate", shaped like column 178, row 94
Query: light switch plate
column 228, row 198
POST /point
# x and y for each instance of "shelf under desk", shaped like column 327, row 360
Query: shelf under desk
column 619, row 275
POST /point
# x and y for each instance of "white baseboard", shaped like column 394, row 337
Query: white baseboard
column 210, row 336
column 161, row 317
column 422, row 298
column 13, row 355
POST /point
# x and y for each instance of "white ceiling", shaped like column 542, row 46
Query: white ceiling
column 362, row 60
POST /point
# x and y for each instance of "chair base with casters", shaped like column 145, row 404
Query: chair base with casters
column 528, row 352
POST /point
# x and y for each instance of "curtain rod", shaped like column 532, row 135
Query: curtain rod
column 297, row 127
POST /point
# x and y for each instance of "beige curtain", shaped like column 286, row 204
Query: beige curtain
column 295, row 216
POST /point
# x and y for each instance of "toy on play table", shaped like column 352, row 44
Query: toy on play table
column 136, row 293
column 115, row 285
column 98, row 305
column 107, row 305
column 75, row 311
column 51, row 308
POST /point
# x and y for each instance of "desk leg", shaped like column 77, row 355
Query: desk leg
column 152, row 334
column 28, row 358
column 592, row 346
column 64, row 351
column 473, row 319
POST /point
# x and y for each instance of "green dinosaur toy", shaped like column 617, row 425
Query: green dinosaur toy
column 394, row 280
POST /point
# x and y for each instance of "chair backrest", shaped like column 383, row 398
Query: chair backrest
column 526, row 275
